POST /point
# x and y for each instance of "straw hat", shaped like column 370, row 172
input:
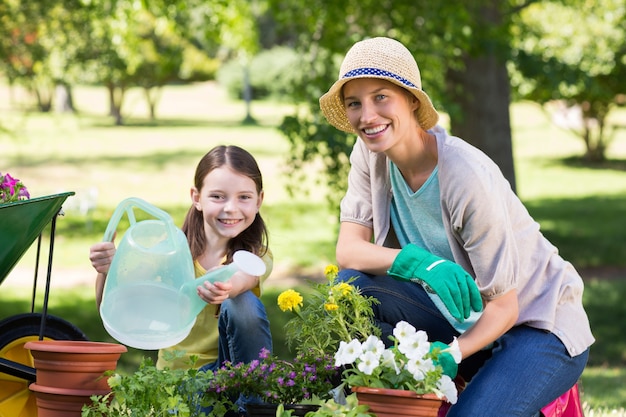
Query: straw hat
column 382, row 58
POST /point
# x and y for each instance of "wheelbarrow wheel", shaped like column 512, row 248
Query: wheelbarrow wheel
column 16, row 400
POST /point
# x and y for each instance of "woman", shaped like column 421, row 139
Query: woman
column 422, row 207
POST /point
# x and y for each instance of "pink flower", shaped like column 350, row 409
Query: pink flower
column 12, row 189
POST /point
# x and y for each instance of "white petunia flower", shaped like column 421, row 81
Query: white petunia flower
column 373, row 344
column 368, row 362
column 419, row 367
column 447, row 387
column 454, row 350
column 415, row 346
column 348, row 352
column 389, row 361
column 403, row 330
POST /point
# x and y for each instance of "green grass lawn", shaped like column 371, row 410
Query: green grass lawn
column 580, row 208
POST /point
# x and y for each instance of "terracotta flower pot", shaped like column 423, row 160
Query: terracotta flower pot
column 61, row 402
column 69, row 372
column 398, row 403
column 74, row 364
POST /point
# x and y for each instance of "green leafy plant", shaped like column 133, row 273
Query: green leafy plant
column 333, row 312
column 152, row 392
column 350, row 408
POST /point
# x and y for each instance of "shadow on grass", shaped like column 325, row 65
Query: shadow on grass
column 609, row 164
column 604, row 302
column 144, row 162
column 88, row 120
column 589, row 232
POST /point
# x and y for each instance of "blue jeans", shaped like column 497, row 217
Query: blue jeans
column 526, row 369
column 244, row 330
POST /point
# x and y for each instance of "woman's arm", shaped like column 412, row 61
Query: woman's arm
column 499, row 315
column 356, row 251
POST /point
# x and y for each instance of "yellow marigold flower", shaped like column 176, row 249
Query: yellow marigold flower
column 290, row 300
column 343, row 288
column 331, row 307
column 331, row 271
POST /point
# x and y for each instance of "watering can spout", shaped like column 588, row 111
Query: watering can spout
column 242, row 261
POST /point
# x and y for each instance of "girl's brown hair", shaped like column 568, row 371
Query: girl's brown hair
column 254, row 239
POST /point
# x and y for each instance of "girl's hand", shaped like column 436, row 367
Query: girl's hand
column 215, row 293
column 101, row 256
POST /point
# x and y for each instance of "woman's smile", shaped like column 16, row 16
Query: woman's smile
column 372, row 131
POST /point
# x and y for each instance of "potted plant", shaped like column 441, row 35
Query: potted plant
column 152, row 392
column 405, row 379
column 298, row 385
column 330, row 313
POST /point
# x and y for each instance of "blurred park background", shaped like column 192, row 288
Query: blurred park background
column 116, row 99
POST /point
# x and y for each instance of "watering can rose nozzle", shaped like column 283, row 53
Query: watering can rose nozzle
column 249, row 263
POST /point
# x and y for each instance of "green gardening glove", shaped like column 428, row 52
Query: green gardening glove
column 449, row 281
column 445, row 359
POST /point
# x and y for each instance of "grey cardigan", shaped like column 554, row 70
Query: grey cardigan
column 491, row 234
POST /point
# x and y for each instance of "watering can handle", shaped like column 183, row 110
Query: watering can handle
column 127, row 206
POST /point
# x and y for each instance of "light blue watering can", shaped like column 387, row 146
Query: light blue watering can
column 150, row 299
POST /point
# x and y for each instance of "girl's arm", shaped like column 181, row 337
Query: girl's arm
column 218, row 292
column 100, row 278
column 101, row 255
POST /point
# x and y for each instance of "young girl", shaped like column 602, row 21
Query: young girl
column 223, row 218
column 422, row 207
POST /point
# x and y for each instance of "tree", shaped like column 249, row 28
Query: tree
column 461, row 49
column 161, row 51
column 227, row 28
column 570, row 58
column 135, row 46
column 478, row 86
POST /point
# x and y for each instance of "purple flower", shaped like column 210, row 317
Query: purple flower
column 12, row 189
column 264, row 354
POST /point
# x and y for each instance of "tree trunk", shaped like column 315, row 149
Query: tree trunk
column 247, row 95
column 152, row 94
column 63, row 98
column 482, row 90
column 115, row 103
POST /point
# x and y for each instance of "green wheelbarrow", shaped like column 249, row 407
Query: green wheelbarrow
column 21, row 223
